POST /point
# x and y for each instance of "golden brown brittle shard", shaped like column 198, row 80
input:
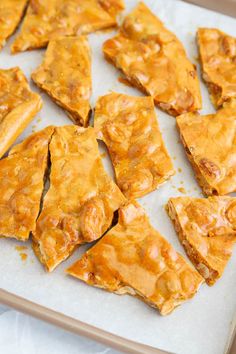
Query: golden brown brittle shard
column 210, row 144
column 18, row 106
column 46, row 20
column 217, row 55
column 22, row 183
column 133, row 258
column 155, row 61
column 65, row 75
column 128, row 126
column 81, row 200
column 11, row 12
column 207, row 230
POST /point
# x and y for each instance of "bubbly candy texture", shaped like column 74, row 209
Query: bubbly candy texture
column 210, row 144
column 11, row 12
column 128, row 126
column 133, row 258
column 49, row 19
column 218, row 60
column 21, row 183
column 155, row 61
column 65, row 75
column 18, row 106
column 81, row 200
column 207, row 230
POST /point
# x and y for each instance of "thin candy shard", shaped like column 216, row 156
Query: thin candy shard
column 21, row 183
column 210, row 144
column 46, row 20
column 18, row 106
column 217, row 55
column 11, row 12
column 128, row 126
column 155, row 61
column 207, row 230
column 81, row 200
column 65, row 75
column 133, row 258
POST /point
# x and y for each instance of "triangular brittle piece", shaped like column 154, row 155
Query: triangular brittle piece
column 18, row 106
column 217, row 55
column 65, row 75
column 81, row 200
column 207, row 230
column 46, row 20
column 210, row 144
column 128, row 126
column 133, row 258
column 155, row 61
column 11, row 12
column 22, row 183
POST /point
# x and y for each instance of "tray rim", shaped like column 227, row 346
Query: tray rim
column 81, row 328
column 228, row 8
column 75, row 326
column 78, row 327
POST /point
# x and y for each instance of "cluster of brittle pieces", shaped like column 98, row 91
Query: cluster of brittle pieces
column 207, row 227
column 66, row 219
column 79, row 206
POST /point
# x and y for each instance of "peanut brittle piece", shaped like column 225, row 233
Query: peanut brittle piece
column 207, row 231
column 46, row 20
column 11, row 12
column 113, row 7
column 21, row 183
column 155, row 61
column 210, row 144
column 133, row 258
column 18, row 106
column 65, row 75
column 217, row 56
column 128, row 126
column 81, row 200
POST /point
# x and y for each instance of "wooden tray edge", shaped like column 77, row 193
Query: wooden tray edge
column 231, row 344
column 75, row 326
column 227, row 7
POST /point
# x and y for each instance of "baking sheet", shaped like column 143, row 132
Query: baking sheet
column 227, row 7
column 200, row 326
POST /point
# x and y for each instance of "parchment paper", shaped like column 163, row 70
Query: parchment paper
column 200, row 326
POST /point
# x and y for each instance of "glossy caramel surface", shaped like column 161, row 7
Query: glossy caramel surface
column 18, row 106
column 65, row 75
column 134, row 258
column 154, row 60
column 217, row 55
column 11, row 12
column 113, row 7
column 49, row 19
column 128, row 126
column 80, row 202
column 210, row 144
column 21, row 184
column 207, row 230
